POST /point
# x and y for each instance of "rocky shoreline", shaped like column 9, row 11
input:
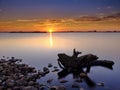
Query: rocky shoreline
column 15, row 75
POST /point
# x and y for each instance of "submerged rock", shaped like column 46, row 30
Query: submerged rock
column 78, row 80
column 55, row 67
column 50, row 65
column 83, row 75
column 82, row 88
column 58, row 87
column 46, row 70
column 63, row 81
column 55, row 70
column 49, row 80
column 100, row 84
column 75, row 85
column 30, row 88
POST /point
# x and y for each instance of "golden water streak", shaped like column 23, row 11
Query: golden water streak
column 51, row 39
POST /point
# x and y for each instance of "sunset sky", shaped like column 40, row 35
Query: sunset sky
column 59, row 15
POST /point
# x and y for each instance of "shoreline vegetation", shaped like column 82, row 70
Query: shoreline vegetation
column 94, row 31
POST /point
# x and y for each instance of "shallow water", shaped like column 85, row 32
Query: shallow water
column 38, row 50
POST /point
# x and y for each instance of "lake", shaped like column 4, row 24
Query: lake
column 39, row 49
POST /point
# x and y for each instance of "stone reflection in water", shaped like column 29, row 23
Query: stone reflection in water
column 75, row 65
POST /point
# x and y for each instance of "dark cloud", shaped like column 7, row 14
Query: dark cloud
column 113, row 16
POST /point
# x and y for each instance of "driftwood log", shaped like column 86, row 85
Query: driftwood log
column 85, row 61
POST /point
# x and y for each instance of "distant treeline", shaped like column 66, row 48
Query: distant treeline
column 62, row 31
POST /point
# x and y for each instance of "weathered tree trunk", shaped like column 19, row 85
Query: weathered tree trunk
column 84, row 61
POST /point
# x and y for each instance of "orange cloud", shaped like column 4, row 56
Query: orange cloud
column 111, row 22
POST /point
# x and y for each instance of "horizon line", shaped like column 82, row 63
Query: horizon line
column 57, row 31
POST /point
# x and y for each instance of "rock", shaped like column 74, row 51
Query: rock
column 75, row 85
column 100, row 84
column 55, row 70
column 46, row 70
column 55, row 67
column 41, row 73
column 41, row 85
column 17, row 76
column 42, row 88
column 53, row 88
column 34, row 70
column 62, row 87
column 81, row 88
column 16, row 88
column 1, row 87
column 82, row 75
column 30, row 83
column 0, row 82
column 1, row 68
column 63, row 81
column 50, row 65
column 78, row 80
column 30, row 88
column 21, row 76
column 10, row 82
column 58, row 87
column 49, row 80
column 9, row 89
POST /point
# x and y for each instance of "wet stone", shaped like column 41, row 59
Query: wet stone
column 82, row 88
column 49, row 80
column 30, row 88
column 46, row 70
column 100, row 84
column 55, row 67
column 58, row 87
column 78, row 80
column 16, row 88
column 83, row 75
column 75, row 85
column 63, row 81
column 50, row 65
column 55, row 70
column 31, row 83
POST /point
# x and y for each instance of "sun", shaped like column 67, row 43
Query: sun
column 50, row 30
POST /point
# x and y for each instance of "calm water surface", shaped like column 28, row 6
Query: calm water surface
column 40, row 49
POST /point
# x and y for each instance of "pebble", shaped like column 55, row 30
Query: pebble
column 58, row 87
column 30, row 88
column 81, row 88
column 50, row 65
column 83, row 75
column 75, row 85
column 63, row 81
column 55, row 67
column 100, row 84
column 16, row 88
column 46, row 70
column 55, row 70
column 49, row 80
column 78, row 80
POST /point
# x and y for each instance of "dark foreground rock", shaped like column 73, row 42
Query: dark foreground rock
column 17, row 76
